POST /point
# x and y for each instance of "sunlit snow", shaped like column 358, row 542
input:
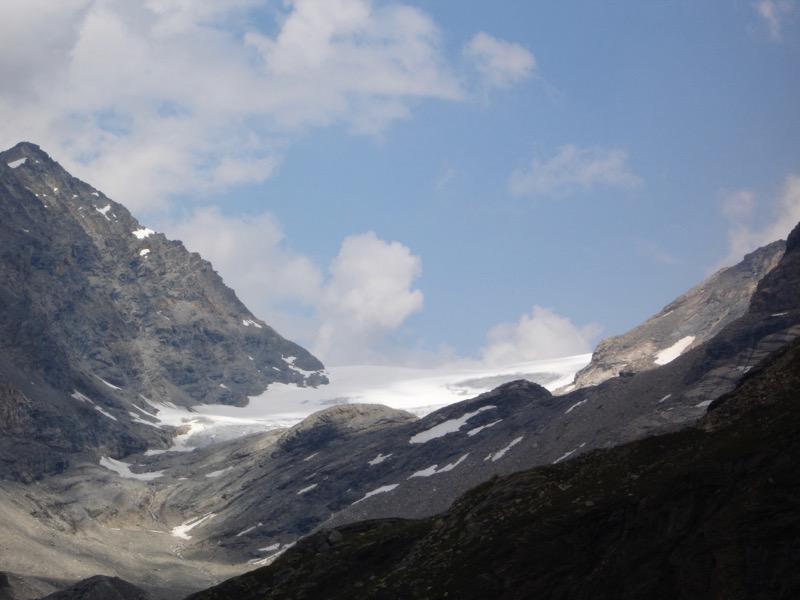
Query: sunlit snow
column 477, row 430
column 568, row 454
column 450, row 426
column 495, row 456
column 381, row 490
column 249, row 322
column 16, row 163
column 378, row 459
column 144, row 251
column 574, row 406
column 124, row 470
column 181, row 531
column 417, row 390
column 307, row 489
column 433, row 470
column 104, row 211
column 143, row 233
column 669, row 354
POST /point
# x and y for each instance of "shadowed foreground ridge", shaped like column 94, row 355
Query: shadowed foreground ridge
column 708, row 512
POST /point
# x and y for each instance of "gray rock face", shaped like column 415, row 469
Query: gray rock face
column 696, row 316
column 98, row 313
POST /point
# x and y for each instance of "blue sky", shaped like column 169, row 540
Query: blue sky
column 431, row 180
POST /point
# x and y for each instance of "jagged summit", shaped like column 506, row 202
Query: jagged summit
column 97, row 308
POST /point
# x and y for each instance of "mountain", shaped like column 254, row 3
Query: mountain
column 416, row 468
column 710, row 511
column 688, row 321
column 106, row 327
column 102, row 320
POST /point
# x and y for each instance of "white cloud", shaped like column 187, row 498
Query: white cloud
column 774, row 13
column 500, row 63
column 573, row 170
column 369, row 295
column 783, row 213
column 162, row 97
column 539, row 335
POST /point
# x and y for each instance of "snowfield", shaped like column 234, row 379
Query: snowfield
column 417, row 390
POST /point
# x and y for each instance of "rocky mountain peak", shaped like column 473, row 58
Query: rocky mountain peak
column 96, row 307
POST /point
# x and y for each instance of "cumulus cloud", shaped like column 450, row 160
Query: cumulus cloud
column 369, row 295
column 155, row 98
column 782, row 214
column 539, row 335
column 773, row 13
column 574, row 170
column 500, row 64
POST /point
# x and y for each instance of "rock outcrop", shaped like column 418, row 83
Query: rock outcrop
column 688, row 321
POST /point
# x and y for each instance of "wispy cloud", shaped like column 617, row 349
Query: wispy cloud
column 574, row 170
column 541, row 334
column 501, row 64
column 774, row 13
column 782, row 214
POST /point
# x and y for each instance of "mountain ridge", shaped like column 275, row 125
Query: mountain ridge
column 104, row 318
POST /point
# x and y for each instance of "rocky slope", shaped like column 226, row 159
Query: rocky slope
column 688, row 321
column 417, row 468
column 244, row 502
column 101, row 321
column 707, row 512
column 101, row 318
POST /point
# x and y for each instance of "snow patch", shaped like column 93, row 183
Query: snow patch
column 667, row 355
column 378, row 459
column 105, row 413
column 381, row 490
column 16, row 163
column 124, row 470
column 477, row 430
column 181, row 531
column 144, row 251
column 442, row 429
column 143, row 233
column 248, row 530
column 307, row 489
column 667, row 397
column 574, row 406
column 111, row 385
column 214, row 474
column 433, row 470
column 568, row 454
column 248, row 322
column 501, row 453
column 703, row 404
column 104, row 211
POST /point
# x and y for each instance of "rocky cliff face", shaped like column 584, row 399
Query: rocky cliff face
column 688, row 321
column 100, row 316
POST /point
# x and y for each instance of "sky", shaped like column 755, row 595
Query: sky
column 425, row 182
